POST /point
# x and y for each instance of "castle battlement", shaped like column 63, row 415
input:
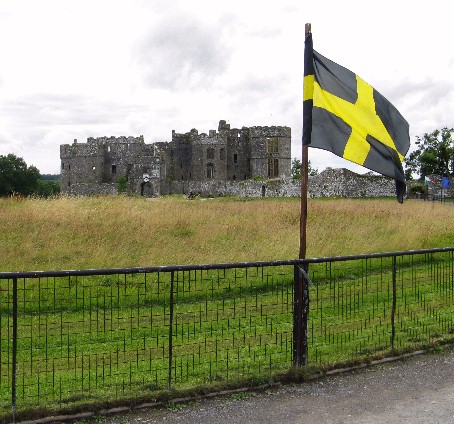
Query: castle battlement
column 223, row 155
column 115, row 140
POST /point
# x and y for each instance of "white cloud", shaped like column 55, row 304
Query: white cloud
column 74, row 69
column 181, row 52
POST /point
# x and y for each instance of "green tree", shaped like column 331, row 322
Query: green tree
column 17, row 177
column 48, row 188
column 434, row 154
column 296, row 169
column 122, row 184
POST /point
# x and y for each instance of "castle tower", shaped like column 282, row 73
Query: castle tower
column 270, row 152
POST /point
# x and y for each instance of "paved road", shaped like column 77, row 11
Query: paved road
column 415, row 390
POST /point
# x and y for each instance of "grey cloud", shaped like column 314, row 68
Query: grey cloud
column 54, row 110
column 267, row 32
column 272, row 92
column 3, row 140
column 429, row 91
column 256, row 86
column 182, row 52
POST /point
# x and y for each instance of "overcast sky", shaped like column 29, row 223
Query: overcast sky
column 72, row 69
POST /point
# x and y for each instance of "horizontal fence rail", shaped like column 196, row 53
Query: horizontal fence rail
column 90, row 337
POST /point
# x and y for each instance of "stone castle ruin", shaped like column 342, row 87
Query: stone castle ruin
column 98, row 166
column 247, row 162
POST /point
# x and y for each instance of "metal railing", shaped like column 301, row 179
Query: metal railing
column 97, row 336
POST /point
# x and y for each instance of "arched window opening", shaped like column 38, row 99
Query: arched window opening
column 210, row 171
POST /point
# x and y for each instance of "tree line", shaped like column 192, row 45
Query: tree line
column 17, row 178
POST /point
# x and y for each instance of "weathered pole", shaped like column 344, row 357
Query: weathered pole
column 304, row 179
column 301, row 289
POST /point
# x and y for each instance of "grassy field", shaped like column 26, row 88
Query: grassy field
column 88, row 340
column 112, row 232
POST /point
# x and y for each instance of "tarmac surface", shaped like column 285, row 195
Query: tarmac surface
column 418, row 389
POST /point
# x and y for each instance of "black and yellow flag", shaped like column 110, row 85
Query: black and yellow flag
column 346, row 116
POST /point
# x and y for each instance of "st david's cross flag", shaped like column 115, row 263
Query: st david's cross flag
column 346, row 116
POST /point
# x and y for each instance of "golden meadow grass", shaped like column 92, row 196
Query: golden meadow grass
column 117, row 231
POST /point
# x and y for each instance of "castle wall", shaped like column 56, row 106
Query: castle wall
column 102, row 161
column 329, row 183
column 223, row 155
column 208, row 160
column 270, row 151
column 80, row 163
column 91, row 189
column 180, row 156
column 238, row 154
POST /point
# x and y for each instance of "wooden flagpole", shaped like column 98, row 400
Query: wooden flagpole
column 301, row 293
column 304, row 180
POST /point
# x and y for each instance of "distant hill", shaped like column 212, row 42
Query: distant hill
column 50, row 177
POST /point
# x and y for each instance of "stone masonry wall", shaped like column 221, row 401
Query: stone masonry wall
column 329, row 183
column 84, row 189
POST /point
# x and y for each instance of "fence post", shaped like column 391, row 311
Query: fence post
column 300, row 315
column 169, row 381
column 394, row 302
column 297, row 315
column 306, row 281
column 14, row 353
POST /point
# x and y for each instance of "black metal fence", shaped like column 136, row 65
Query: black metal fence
column 95, row 336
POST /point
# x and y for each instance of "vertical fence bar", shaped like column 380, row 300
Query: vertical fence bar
column 297, row 316
column 169, row 381
column 14, row 359
column 305, row 311
column 300, row 315
column 394, row 302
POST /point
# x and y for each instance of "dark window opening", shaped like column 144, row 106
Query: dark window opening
column 210, row 153
column 273, row 168
column 272, row 145
column 210, row 171
column 234, row 177
column 114, row 169
column 62, row 165
column 235, row 158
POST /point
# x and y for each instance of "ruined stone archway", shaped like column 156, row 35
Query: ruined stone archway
column 146, row 189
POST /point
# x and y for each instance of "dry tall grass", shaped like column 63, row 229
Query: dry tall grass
column 111, row 232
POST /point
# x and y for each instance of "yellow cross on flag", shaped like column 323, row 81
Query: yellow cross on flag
column 346, row 116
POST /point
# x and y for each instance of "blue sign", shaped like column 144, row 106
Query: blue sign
column 445, row 183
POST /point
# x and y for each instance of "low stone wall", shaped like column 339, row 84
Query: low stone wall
column 84, row 189
column 247, row 188
column 329, row 183
column 345, row 183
